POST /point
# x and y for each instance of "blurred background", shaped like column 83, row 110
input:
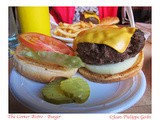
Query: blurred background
column 141, row 14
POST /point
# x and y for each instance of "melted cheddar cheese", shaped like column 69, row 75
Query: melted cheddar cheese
column 116, row 37
column 87, row 15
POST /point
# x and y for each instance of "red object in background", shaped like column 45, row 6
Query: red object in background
column 107, row 11
column 63, row 14
column 66, row 14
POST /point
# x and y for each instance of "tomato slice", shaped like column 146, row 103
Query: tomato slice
column 40, row 42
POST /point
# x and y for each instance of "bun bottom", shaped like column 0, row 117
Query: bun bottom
column 107, row 78
column 41, row 72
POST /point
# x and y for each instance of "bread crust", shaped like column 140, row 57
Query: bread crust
column 38, row 71
column 106, row 78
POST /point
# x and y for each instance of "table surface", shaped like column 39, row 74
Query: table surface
column 142, row 106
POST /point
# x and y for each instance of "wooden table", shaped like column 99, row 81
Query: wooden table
column 143, row 106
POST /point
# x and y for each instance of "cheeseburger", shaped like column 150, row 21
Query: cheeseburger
column 110, row 53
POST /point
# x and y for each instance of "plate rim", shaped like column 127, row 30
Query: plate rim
column 69, row 40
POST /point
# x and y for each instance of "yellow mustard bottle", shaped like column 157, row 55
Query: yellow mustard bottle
column 34, row 19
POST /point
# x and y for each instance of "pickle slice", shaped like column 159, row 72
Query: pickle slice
column 76, row 89
column 52, row 93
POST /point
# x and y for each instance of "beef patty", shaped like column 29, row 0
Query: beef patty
column 102, row 54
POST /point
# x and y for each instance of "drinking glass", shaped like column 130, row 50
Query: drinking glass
column 13, row 31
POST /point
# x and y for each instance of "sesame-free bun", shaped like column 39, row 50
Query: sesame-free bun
column 109, row 21
column 107, row 78
column 37, row 71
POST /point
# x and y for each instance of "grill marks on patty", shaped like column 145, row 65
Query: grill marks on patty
column 102, row 54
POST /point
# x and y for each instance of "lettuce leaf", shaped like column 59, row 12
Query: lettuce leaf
column 57, row 58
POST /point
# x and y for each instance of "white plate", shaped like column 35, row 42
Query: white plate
column 68, row 40
column 104, row 98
